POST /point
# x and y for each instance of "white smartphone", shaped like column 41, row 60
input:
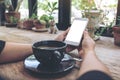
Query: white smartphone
column 75, row 33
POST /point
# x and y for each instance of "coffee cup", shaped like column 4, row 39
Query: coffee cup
column 49, row 52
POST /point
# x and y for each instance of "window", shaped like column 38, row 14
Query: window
column 24, row 9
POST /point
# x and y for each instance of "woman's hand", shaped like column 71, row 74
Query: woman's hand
column 88, row 45
column 62, row 37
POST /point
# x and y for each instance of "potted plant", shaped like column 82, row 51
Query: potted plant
column 105, row 30
column 45, row 18
column 92, row 12
column 49, row 8
column 13, row 22
column 27, row 23
column 116, row 32
column 11, row 12
column 39, row 24
column 107, row 22
column 32, row 23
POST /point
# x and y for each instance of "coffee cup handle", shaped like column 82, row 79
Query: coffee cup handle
column 58, row 53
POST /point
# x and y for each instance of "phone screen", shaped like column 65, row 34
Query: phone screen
column 76, row 31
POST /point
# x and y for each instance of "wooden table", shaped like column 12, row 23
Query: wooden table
column 106, row 51
column 16, row 71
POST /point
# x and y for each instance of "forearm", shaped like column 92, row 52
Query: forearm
column 15, row 52
column 91, row 63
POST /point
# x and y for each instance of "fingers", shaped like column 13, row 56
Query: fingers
column 86, row 34
column 70, row 48
column 81, row 53
column 86, row 29
column 67, row 29
column 65, row 32
column 62, row 36
column 79, row 48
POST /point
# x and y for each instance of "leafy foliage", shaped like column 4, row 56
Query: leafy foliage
column 34, row 16
column 87, row 4
column 84, row 4
column 47, row 6
column 13, row 19
column 45, row 18
column 118, row 19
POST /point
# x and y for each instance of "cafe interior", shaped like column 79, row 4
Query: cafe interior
column 39, row 22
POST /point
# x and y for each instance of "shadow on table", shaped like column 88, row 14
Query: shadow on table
column 56, row 75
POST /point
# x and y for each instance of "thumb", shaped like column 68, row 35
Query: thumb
column 81, row 53
column 65, row 32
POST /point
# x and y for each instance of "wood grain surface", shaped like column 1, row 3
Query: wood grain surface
column 105, row 49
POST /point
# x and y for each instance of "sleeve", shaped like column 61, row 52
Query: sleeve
column 2, row 45
column 95, row 75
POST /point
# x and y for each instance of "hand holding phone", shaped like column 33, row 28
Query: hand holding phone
column 75, row 33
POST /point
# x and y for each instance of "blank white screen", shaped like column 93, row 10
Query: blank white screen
column 76, row 31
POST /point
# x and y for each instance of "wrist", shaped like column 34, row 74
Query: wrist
column 88, row 52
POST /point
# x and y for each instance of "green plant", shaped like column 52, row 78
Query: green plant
column 87, row 5
column 48, row 7
column 118, row 19
column 34, row 16
column 105, row 30
column 13, row 19
column 45, row 18
column 89, row 8
column 84, row 4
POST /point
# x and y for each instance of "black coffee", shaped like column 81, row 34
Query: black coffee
column 47, row 47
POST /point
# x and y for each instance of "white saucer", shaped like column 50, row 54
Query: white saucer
column 40, row 30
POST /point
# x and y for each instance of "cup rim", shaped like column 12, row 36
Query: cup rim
column 65, row 45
